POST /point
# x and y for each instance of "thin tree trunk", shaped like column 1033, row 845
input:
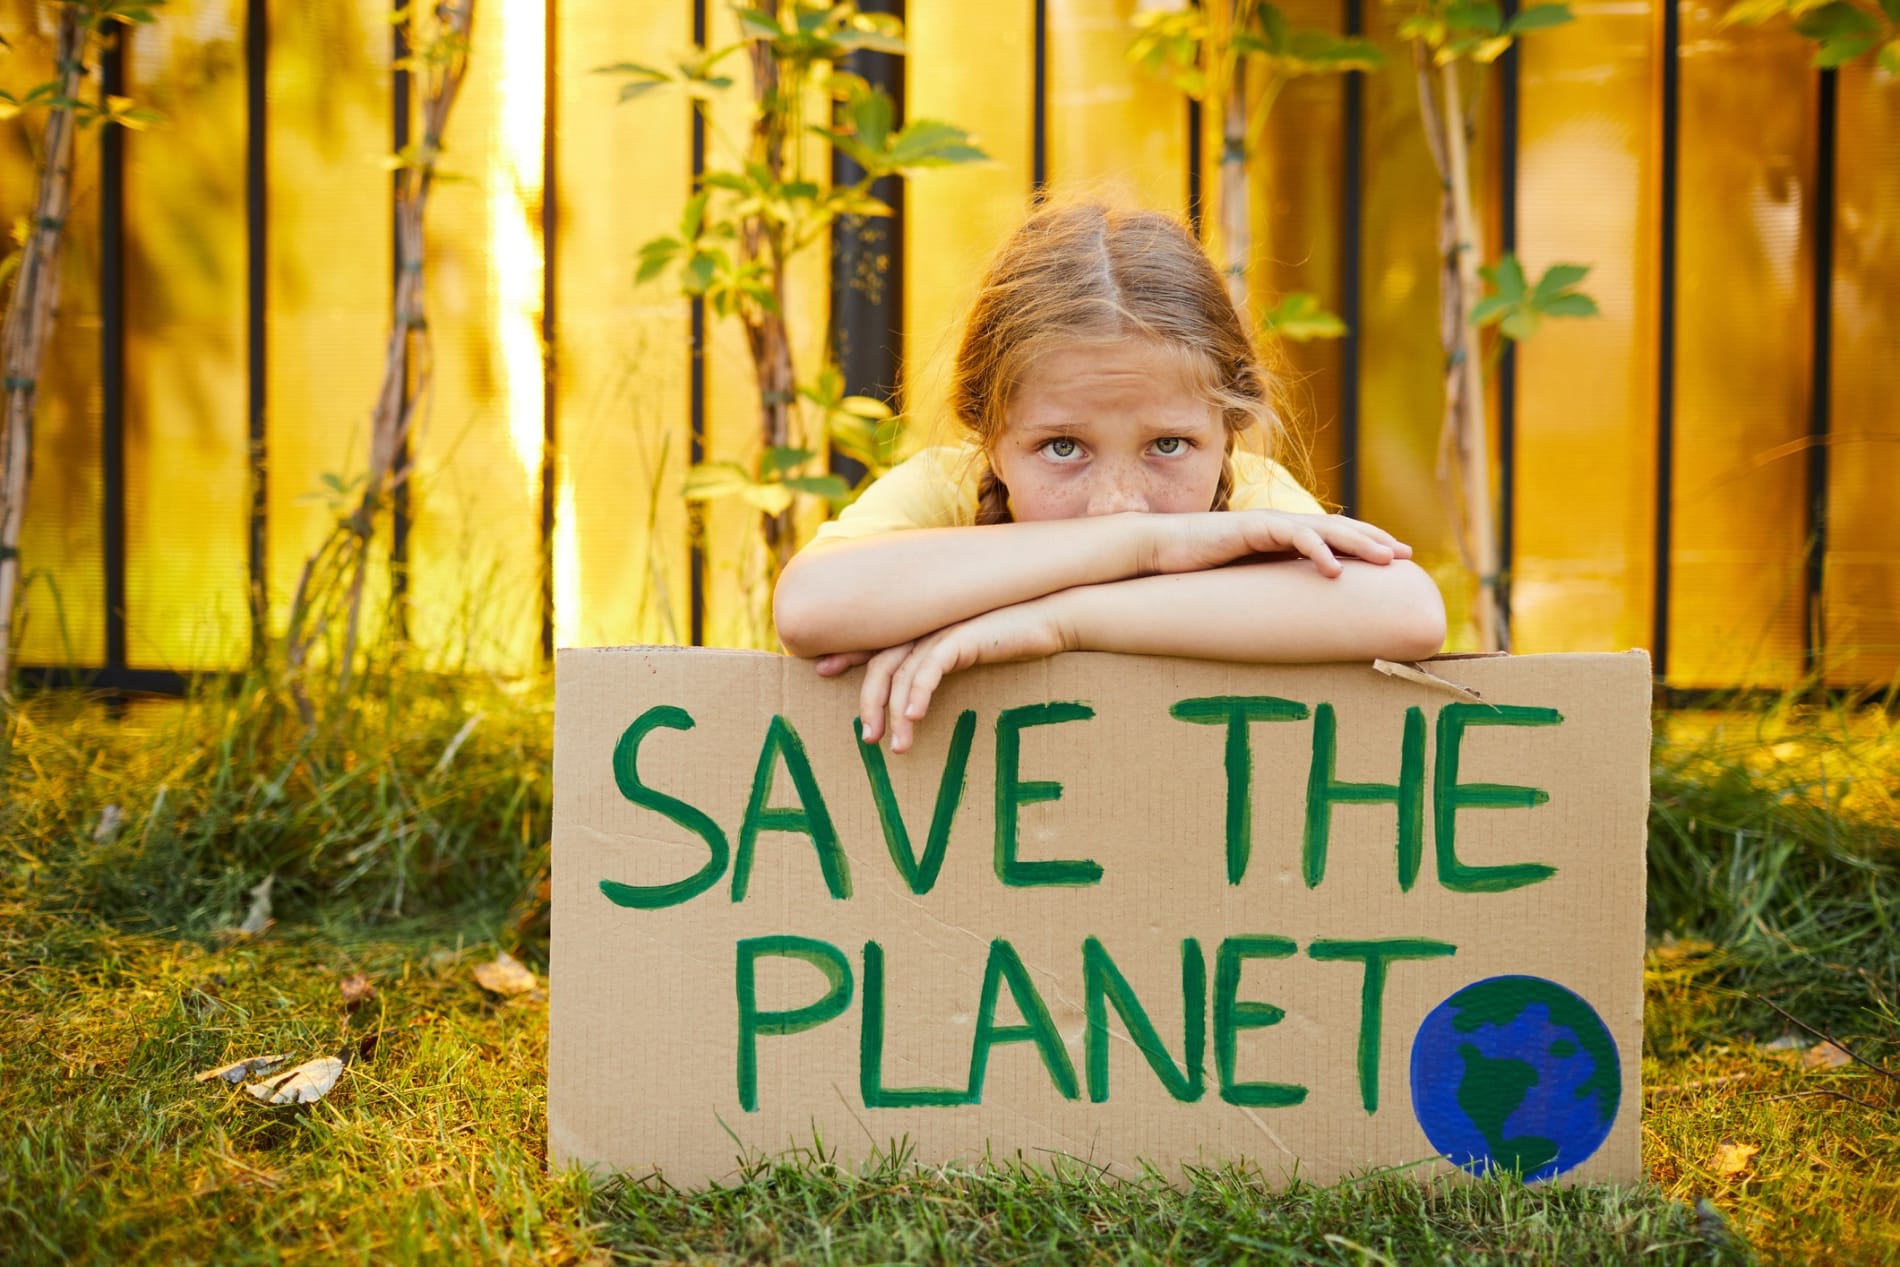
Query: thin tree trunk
column 407, row 367
column 767, row 338
column 1465, row 437
column 30, row 319
column 1236, row 228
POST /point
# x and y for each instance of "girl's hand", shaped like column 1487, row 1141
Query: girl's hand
column 900, row 680
column 1195, row 543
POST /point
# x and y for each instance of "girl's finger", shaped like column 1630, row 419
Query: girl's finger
column 837, row 662
column 1314, row 547
column 1399, row 548
column 874, row 693
column 901, row 727
column 923, row 686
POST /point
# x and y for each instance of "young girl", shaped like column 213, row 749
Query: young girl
column 1103, row 500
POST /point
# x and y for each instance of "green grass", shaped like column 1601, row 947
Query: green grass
column 1775, row 859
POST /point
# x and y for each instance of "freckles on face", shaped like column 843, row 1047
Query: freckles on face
column 1105, row 428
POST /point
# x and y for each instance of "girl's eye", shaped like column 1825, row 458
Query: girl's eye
column 1168, row 446
column 1062, row 449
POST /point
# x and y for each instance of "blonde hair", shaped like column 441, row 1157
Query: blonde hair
column 1090, row 273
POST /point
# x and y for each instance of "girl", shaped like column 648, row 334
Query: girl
column 1103, row 500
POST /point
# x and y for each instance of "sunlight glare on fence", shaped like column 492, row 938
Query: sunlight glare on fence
column 513, row 182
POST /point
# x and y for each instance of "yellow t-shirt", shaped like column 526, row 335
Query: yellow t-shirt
column 937, row 488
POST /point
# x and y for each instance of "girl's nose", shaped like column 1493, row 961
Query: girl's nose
column 1114, row 496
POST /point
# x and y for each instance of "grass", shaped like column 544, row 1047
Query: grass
column 406, row 844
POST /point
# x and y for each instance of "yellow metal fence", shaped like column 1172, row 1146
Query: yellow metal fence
column 1591, row 127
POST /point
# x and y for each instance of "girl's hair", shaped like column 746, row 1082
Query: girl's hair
column 1088, row 273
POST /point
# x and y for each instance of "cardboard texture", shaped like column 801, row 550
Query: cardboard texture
column 1124, row 909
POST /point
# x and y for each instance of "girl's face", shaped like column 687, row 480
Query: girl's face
column 1100, row 428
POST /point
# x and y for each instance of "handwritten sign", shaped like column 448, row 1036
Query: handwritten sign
column 1124, row 909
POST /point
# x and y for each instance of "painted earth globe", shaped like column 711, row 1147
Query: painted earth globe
column 1515, row 1072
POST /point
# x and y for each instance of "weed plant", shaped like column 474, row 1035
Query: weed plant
column 413, row 793
column 406, row 835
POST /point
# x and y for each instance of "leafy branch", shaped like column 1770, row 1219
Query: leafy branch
column 1452, row 44
column 1841, row 30
column 1208, row 52
column 751, row 217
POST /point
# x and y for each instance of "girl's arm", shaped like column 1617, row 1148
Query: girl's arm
column 1260, row 612
column 891, row 589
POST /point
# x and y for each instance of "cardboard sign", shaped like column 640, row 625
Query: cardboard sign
column 1124, row 909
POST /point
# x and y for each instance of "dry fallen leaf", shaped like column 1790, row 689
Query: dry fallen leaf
column 506, row 976
column 111, row 822
column 249, row 1067
column 1732, row 1159
column 1826, row 1056
column 356, row 989
column 258, row 921
column 306, row 1084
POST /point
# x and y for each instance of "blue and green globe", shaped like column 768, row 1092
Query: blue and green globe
column 1515, row 1072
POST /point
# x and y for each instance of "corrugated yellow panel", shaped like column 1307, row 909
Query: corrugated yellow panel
column 475, row 551
column 327, row 290
column 62, row 552
column 187, row 513
column 1862, row 586
column 622, row 428
column 1588, row 193
column 972, row 65
column 1296, row 235
column 1400, row 373
column 1111, row 126
column 1742, row 354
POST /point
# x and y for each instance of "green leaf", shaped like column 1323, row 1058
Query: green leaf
column 865, row 407
column 759, row 24
column 1273, row 28
column 829, row 487
column 1889, row 58
column 871, row 116
column 932, row 143
column 854, row 201
column 1490, row 50
column 1316, row 52
column 1754, row 12
column 826, row 391
column 654, row 263
column 1520, row 309
column 1506, row 277
column 1300, row 317
column 1843, row 31
column 1475, row 15
column 710, row 481
column 698, row 275
column 1892, row 9
column 1573, row 305
column 1557, row 279
column 878, row 32
column 776, row 461
column 1838, row 23
column 1539, row 17
column 770, row 498
column 1489, row 309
